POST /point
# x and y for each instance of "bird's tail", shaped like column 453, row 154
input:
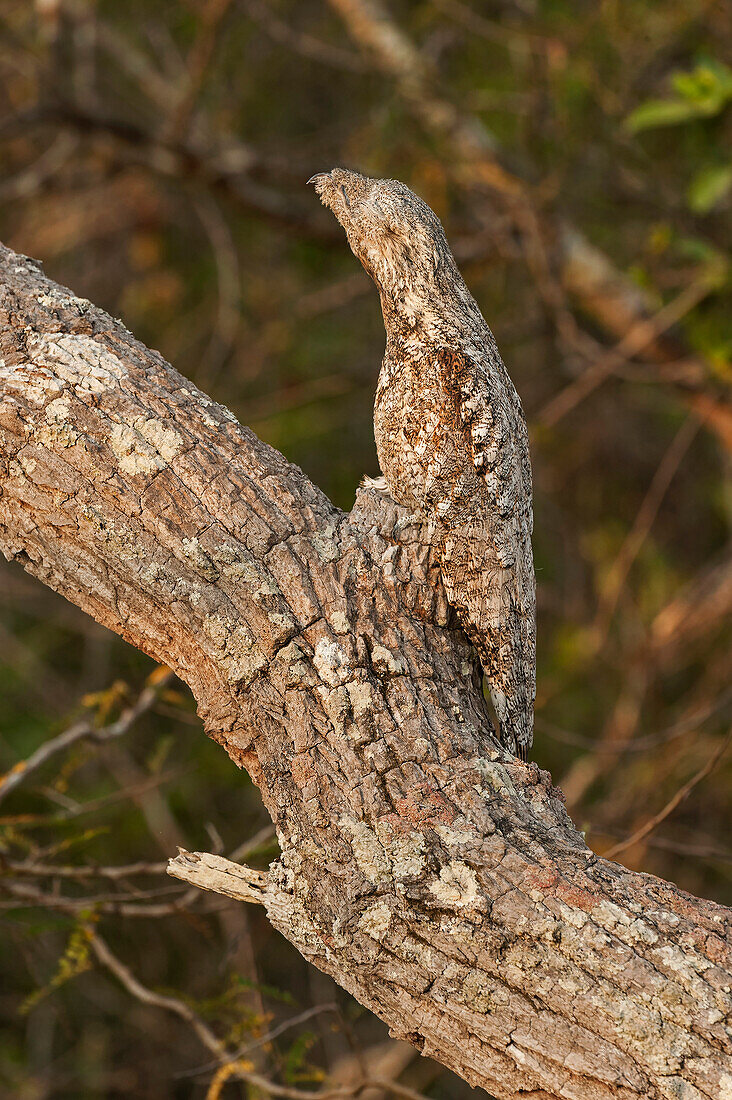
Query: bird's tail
column 496, row 605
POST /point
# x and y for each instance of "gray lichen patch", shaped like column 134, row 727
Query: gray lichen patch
column 406, row 851
column 34, row 382
column 287, row 909
column 58, row 411
column 326, row 544
column 85, row 364
column 496, row 777
column 457, row 887
column 632, row 929
column 676, row 1088
column 339, row 622
column 55, row 428
column 331, row 662
column 240, row 656
column 384, row 854
column 26, row 463
column 371, row 858
column 136, row 457
column 283, row 622
column 725, row 1086
column 199, row 559
column 240, row 565
column 454, row 837
column 375, row 920
column 336, row 703
column 55, row 298
column 360, row 694
column 472, row 988
column 145, row 446
column 295, row 659
column 166, row 441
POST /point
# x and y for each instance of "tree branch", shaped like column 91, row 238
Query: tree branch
column 434, row 877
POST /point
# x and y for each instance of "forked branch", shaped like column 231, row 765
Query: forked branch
column 433, row 876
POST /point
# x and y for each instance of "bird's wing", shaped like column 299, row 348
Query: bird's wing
column 487, row 563
column 489, row 410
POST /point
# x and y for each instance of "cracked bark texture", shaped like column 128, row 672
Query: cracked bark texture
column 433, row 876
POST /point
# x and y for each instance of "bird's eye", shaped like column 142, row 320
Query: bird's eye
column 345, row 196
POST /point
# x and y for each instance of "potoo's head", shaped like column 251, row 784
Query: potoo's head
column 393, row 232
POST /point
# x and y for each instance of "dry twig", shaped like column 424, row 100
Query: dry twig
column 86, row 730
column 683, row 793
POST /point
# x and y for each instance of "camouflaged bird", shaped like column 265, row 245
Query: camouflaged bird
column 450, row 431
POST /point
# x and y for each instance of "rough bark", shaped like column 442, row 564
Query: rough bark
column 433, row 876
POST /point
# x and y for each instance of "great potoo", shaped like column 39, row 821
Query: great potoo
column 450, row 431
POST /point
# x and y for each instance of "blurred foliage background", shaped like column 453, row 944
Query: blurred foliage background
column 154, row 157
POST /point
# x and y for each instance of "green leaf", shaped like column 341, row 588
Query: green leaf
column 709, row 85
column 660, row 112
column 701, row 93
column 709, row 186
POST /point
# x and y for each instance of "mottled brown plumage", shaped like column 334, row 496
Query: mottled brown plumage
column 450, row 431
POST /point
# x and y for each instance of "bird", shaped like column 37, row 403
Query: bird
column 451, row 435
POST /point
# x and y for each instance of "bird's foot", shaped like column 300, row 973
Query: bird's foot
column 378, row 484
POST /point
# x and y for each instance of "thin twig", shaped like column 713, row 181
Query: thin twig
column 274, row 1033
column 137, row 64
column 170, row 1004
column 641, row 336
column 264, row 838
column 223, row 169
column 644, row 520
column 41, row 870
column 671, row 805
column 132, row 904
column 677, row 847
column 341, row 1092
column 81, row 730
column 228, row 275
column 104, row 903
column 511, row 36
column 31, row 179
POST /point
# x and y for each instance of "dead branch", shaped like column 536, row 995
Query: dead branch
column 434, row 877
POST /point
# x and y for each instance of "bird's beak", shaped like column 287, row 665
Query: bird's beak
column 319, row 176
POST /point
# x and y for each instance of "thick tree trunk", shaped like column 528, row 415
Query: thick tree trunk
column 433, row 876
